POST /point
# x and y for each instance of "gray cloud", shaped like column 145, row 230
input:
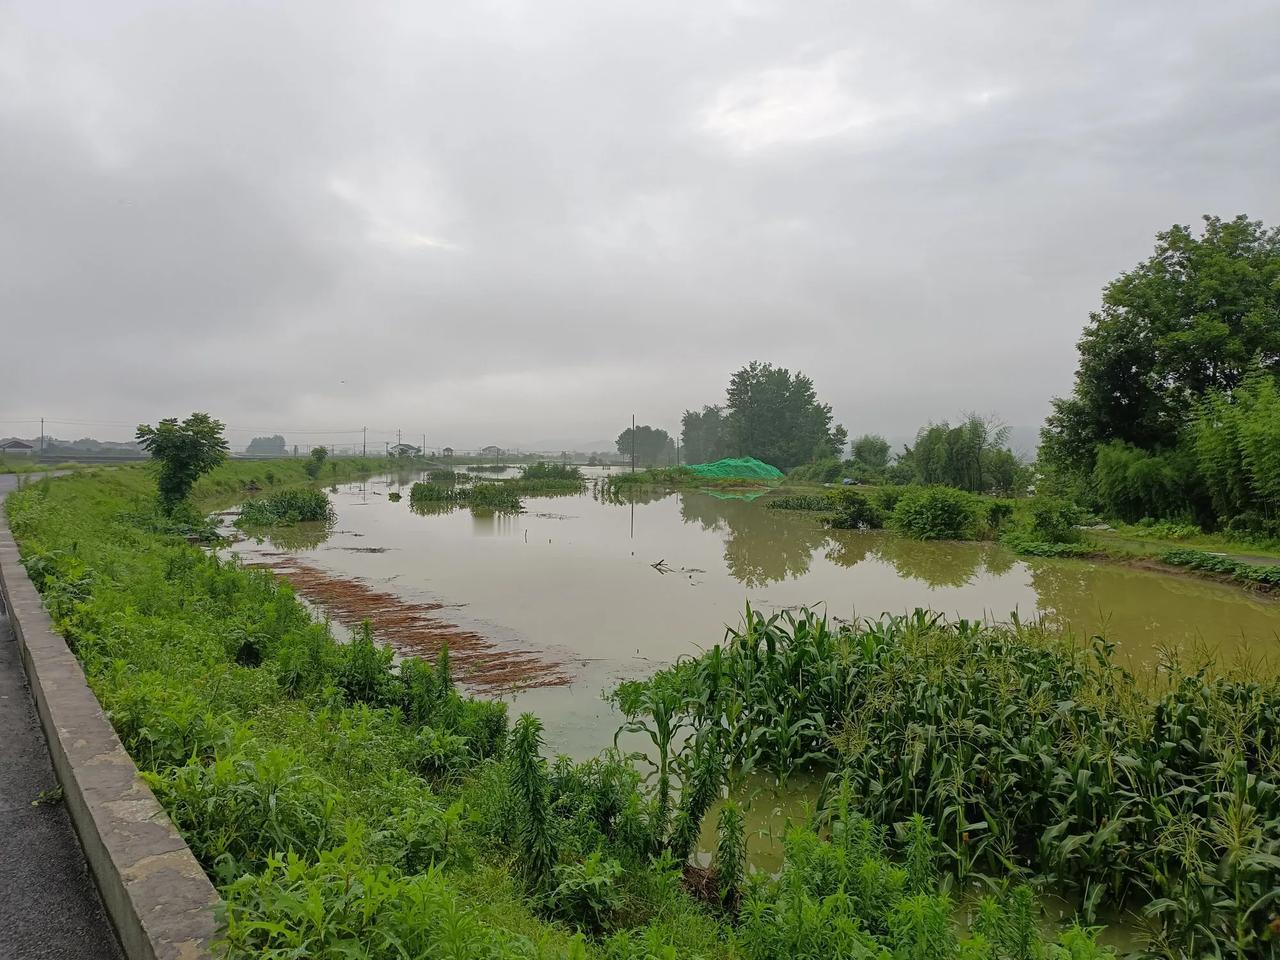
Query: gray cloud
column 513, row 221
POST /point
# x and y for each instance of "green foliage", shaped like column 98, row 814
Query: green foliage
column 497, row 497
column 1052, row 520
column 871, row 452
column 340, row 906
column 704, row 435
column 528, row 785
column 1236, row 439
column 586, row 894
column 731, row 853
column 315, row 463
column 815, row 502
column 1131, row 483
column 776, row 417
column 273, row 446
column 182, row 452
column 650, row 445
column 241, row 808
column 972, row 456
column 551, row 471
column 1027, row 753
column 935, row 513
column 825, row 470
column 1266, row 575
column 287, row 507
column 853, row 511
column 1190, row 320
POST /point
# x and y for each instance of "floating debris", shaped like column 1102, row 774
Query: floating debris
column 414, row 629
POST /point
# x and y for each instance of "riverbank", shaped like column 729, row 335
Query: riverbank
column 259, row 731
column 200, row 658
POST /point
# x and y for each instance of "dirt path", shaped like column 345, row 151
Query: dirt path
column 415, row 628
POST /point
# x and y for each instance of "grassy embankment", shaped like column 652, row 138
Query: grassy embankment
column 342, row 805
column 29, row 465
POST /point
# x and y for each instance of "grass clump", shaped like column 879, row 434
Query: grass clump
column 301, row 505
column 480, row 497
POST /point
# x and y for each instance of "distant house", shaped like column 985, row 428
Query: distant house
column 492, row 451
column 17, row 448
column 404, row 450
column 447, row 451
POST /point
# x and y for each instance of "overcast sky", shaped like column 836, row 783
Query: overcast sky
column 511, row 222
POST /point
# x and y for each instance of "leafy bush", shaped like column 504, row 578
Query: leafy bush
column 854, row 512
column 1052, row 520
column 935, row 513
column 821, row 471
column 586, row 894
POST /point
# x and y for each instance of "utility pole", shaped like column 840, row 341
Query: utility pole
column 42, row 436
column 364, row 441
column 423, row 451
column 633, row 443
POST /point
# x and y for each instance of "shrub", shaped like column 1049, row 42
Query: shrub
column 854, row 512
column 316, row 461
column 586, row 894
column 935, row 513
column 1052, row 520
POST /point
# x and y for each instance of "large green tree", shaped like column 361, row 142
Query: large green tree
column 871, row 452
column 653, row 445
column 1193, row 318
column 776, row 417
column 974, row 455
column 273, row 446
column 704, row 435
column 182, row 451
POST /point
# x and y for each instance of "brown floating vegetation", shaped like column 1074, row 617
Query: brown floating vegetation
column 414, row 628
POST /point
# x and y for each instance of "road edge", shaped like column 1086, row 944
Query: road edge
column 158, row 898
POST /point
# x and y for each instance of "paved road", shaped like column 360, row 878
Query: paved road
column 49, row 906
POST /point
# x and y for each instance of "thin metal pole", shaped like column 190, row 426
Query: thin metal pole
column 633, row 443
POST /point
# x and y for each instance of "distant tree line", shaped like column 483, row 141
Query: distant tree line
column 273, row 446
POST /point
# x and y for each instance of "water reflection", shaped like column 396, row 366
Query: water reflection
column 937, row 564
column 761, row 546
column 298, row 536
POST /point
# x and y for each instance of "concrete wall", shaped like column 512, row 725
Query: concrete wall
column 158, row 898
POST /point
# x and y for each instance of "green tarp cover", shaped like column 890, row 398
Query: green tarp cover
column 741, row 468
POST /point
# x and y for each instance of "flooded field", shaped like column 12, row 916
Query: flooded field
column 560, row 602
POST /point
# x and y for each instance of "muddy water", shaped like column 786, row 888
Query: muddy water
column 599, row 592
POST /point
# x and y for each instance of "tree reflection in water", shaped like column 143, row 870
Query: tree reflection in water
column 760, row 546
